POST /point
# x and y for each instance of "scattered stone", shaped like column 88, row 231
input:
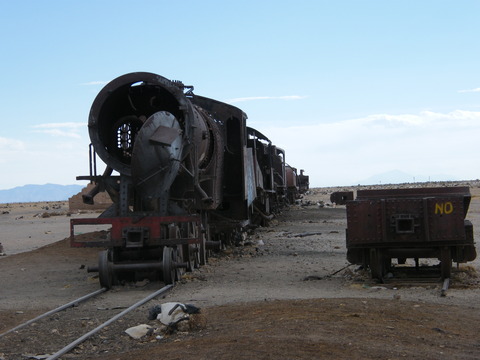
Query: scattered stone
column 378, row 288
column 142, row 283
column 139, row 331
column 312, row 277
column 36, row 357
column 307, row 234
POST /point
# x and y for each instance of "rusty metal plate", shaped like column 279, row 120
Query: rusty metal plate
column 341, row 197
column 408, row 216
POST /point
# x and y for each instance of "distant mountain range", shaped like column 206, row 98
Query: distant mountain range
column 400, row 177
column 34, row 193
column 54, row 192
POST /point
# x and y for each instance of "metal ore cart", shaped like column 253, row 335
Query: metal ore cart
column 409, row 223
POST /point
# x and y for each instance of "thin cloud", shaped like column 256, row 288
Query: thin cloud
column 422, row 119
column 9, row 148
column 70, row 125
column 90, row 83
column 59, row 133
column 252, row 98
column 423, row 143
column 68, row 129
column 11, row 144
column 469, row 90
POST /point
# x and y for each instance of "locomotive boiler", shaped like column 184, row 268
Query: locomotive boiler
column 184, row 172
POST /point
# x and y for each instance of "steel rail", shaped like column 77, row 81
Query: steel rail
column 58, row 309
column 81, row 339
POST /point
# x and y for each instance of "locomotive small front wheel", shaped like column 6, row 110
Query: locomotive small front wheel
column 168, row 265
column 105, row 271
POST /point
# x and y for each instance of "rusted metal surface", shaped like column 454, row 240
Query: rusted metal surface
column 291, row 173
column 409, row 223
column 297, row 184
column 292, row 183
column 133, row 232
column 341, row 197
column 303, row 182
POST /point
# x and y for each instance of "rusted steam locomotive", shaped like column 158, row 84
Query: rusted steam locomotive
column 184, row 172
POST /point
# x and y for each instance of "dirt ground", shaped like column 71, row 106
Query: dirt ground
column 289, row 293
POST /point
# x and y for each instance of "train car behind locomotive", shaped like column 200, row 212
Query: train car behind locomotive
column 184, row 172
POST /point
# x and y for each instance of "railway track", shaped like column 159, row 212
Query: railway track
column 75, row 302
column 46, row 351
column 411, row 276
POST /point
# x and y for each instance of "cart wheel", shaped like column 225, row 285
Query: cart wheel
column 377, row 264
column 105, row 271
column 168, row 266
column 445, row 262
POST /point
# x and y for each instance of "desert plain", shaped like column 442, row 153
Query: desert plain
column 287, row 293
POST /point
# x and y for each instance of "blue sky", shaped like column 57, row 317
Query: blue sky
column 349, row 89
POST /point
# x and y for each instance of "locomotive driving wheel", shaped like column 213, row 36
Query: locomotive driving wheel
column 105, row 270
column 194, row 257
column 191, row 253
column 180, row 266
column 178, row 252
